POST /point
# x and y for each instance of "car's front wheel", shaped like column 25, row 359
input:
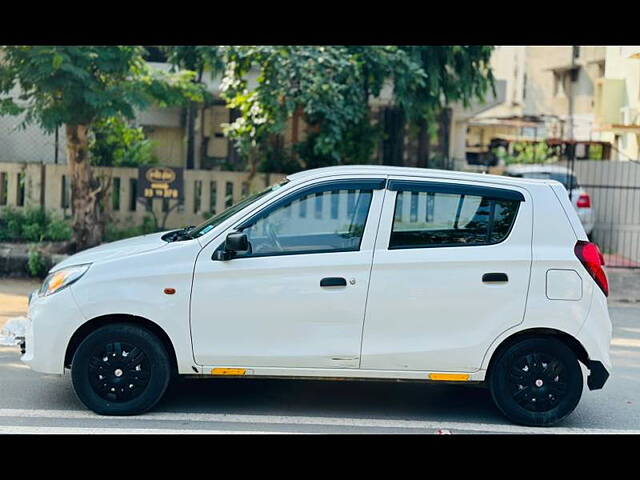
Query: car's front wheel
column 536, row 382
column 120, row 369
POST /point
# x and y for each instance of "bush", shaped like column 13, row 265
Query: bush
column 58, row 230
column 526, row 153
column 37, row 264
column 32, row 225
column 113, row 232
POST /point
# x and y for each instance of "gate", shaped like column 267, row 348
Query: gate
column 614, row 188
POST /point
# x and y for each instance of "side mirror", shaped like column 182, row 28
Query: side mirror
column 235, row 242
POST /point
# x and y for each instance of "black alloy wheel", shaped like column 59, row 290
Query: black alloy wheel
column 536, row 382
column 120, row 369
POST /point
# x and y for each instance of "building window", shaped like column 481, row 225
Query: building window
column 64, row 197
column 197, row 195
column 115, row 196
column 4, row 186
column 213, row 196
column 20, row 192
column 228, row 195
column 133, row 194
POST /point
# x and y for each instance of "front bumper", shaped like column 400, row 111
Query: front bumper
column 51, row 321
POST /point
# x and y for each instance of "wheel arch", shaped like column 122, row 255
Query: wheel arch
column 540, row 332
column 97, row 322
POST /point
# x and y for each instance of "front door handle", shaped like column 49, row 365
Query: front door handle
column 333, row 282
column 495, row 277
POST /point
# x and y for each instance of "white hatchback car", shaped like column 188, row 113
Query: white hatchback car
column 342, row 272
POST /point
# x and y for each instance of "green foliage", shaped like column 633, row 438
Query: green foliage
column 36, row 263
column 79, row 85
column 32, row 225
column 332, row 85
column 196, row 58
column 113, row 232
column 526, row 153
column 115, row 143
column 58, row 230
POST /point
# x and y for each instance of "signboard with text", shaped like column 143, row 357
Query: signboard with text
column 160, row 182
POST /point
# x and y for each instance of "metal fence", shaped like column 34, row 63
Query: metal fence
column 206, row 192
column 614, row 188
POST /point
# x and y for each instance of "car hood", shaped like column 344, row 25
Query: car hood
column 120, row 248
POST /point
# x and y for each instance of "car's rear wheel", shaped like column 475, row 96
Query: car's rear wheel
column 120, row 369
column 536, row 381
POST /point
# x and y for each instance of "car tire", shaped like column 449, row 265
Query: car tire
column 120, row 369
column 536, row 382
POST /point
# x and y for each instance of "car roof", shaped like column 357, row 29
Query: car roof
column 385, row 170
column 537, row 169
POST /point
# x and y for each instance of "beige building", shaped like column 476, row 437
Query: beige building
column 550, row 93
column 617, row 102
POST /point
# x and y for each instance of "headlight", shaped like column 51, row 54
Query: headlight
column 62, row 278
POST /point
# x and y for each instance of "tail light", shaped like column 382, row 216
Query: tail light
column 589, row 255
column 584, row 201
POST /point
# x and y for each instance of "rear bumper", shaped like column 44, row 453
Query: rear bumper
column 595, row 337
column 598, row 376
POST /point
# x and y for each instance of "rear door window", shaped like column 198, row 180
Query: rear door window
column 429, row 214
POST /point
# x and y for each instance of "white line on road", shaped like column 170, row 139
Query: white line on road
column 121, row 431
column 426, row 426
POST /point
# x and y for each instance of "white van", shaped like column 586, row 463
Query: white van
column 342, row 272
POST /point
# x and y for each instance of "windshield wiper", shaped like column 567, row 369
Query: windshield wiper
column 177, row 235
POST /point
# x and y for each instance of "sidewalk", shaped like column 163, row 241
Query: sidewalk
column 624, row 285
column 14, row 293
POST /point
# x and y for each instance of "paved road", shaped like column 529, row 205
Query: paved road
column 30, row 402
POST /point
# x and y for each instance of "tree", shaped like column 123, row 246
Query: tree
column 115, row 143
column 333, row 86
column 76, row 87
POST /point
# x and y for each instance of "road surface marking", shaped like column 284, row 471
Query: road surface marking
column 120, row 431
column 427, row 426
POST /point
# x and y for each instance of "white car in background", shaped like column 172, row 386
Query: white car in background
column 579, row 197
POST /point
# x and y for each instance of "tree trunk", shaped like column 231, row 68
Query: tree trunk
column 423, row 144
column 191, row 124
column 86, row 191
column 252, row 163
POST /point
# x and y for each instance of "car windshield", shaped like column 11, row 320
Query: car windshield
column 216, row 220
column 564, row 178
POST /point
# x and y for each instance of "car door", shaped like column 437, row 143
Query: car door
column 297, row 298
column 450, row 273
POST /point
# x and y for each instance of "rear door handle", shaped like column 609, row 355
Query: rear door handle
column 495, row 277
column 333, row 282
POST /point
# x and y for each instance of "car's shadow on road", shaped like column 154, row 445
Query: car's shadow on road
column 354, row 399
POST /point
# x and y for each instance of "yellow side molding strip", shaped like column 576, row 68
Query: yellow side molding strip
column 451, row 377
column 228, row 371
